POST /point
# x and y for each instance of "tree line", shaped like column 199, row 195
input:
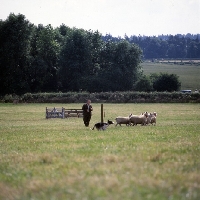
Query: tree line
column 46, row 59
column 165, row 46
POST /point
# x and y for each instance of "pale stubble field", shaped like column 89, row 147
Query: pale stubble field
column 61, row 159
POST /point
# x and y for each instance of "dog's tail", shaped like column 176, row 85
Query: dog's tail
column 93, row 128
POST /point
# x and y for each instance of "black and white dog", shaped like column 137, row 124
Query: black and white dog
column 102, row 126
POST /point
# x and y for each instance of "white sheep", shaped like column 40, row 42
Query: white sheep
column 139, row 119
column 153, row 118
column 123, row 120
column 149, row 118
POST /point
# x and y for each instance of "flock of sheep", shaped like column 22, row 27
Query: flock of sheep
column 143, row 119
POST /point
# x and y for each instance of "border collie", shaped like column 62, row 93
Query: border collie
column 102, row 126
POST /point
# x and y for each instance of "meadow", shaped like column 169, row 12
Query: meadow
column 61, row 159
column 188, row 74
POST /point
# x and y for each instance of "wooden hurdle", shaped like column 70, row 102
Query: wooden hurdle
column 63, row 113
column 73, row 113
column 55, row 113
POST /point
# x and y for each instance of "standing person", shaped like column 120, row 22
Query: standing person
column 87, row 112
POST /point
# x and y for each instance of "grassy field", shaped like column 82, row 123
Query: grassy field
column 61, row 159
column 189, row 75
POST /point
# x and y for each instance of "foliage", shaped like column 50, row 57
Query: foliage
column 15, row 35
column 44, row 53
column 90, row 64
column 46, row 59
column 143, row 84
column 101, row 97
column 165, row 46
column 188, row 74
column 158, row 82
column 78, row 59
column 166, row 82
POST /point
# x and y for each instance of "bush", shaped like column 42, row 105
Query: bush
column 166, row 82
column 143, row 84
column 112, row 97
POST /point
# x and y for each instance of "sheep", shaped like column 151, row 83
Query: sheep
column 153, row 118
column 123, row 120
column 139, row 119
column 149, row 118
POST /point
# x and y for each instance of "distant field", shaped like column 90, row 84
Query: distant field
column 189, row 75
column 61, row 159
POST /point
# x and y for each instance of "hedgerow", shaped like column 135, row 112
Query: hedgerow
column 105, row 97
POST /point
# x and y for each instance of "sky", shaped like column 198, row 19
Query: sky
column 115, row 17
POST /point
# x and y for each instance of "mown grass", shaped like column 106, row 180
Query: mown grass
column 188, row 74
column 62, row 159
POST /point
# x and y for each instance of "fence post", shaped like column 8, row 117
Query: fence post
column 63, row 112
column 101, row 113
column 46, row 113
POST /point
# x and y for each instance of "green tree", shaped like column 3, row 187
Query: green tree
column 62, row 33
column 119, row 66
column 48, row 53
column 75, row 58
column 15, row 34
column 105, row 78
column 153, row 48
column 143, row 84
column 44, row 59
column 193, row 49
column 166, row 82
column 92, row 67
column 127, row 58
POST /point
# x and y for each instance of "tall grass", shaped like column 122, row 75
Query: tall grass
column 62, row 159
column 188, row 74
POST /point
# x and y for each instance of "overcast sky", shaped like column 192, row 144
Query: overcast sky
column 117, row 17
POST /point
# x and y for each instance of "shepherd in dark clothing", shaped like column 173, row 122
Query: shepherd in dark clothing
column 87, row 112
